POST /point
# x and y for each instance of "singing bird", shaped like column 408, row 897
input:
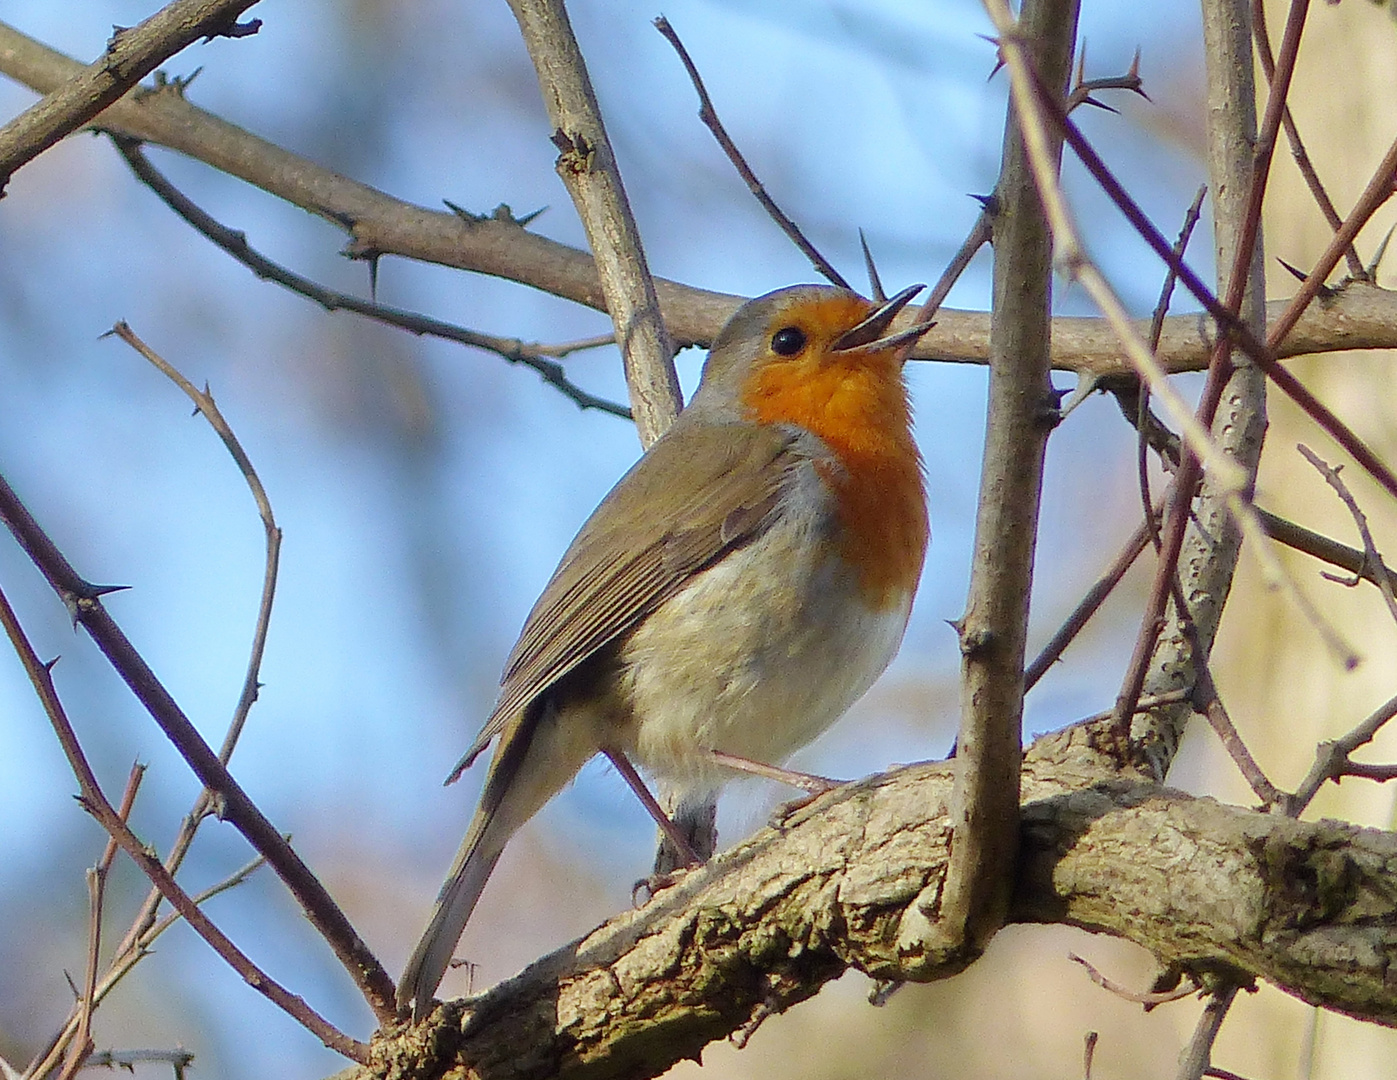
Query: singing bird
column 739, row 588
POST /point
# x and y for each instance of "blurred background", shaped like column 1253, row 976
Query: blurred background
column 426, row 492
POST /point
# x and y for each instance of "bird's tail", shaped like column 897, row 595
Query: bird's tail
column 475, row 859
column 532, row 762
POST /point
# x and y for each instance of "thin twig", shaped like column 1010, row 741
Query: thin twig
column 1297, row 148
column 1089, row 605
column 83, row 600
column 128, row 954
column 1208, row 701
column 1357, row 318
column 1196, row 1057
column 1332, row 758
column 1372, row 558
column 1146, row 997
column 1326, row 550
column 1263, row 354
column 208, row 408
column 541, row 358
column 95, row 802
column 1143, row 417
column 82, row 1043
column 131, row 54
column 979, row 235
column 1083, row 88
column 588, row 169
column 709, row 116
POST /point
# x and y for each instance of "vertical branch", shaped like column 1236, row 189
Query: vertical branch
column 1212, row 540
column 994, row 629
column 588, row 168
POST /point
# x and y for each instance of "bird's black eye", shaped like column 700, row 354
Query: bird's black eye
column 788, row 341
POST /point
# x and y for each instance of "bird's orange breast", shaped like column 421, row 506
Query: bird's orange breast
column 857, row 404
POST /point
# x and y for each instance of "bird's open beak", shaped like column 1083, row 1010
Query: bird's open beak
column 866, row 335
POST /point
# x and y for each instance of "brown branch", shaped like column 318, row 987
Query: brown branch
column 95, row 802
column 1327, row 550
column 854, row 881
column 709, row 116
column 1148, row 997
column 1265, row 356
column 993, row 631
column 1297, row 148
column 130, row 55
column 1372, row 558
column 1208, row 702
column 1332, row 758
column 83, row 601
column 1358, row 316
column 1198, row 1054
column 537, row 357
column 588, row 170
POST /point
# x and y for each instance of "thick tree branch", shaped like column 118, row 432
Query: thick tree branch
column 1358, row 316
column 854, row 880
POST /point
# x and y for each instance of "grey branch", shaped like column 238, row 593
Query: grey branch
column 131, row 54
column 1358, row 316
column 854, row 880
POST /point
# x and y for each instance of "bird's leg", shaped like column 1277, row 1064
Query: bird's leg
column 672, row 832
column 807, row 782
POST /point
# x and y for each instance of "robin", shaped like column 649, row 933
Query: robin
column 739, row 588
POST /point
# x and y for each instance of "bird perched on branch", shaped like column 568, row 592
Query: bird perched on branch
column 739, row 588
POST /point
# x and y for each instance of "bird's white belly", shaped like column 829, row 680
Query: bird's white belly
column 756, row 657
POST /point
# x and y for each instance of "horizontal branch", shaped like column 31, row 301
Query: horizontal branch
column 854, row 880
column 1358, row 316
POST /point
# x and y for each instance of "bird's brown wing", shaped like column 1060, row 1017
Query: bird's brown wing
column 699, row 492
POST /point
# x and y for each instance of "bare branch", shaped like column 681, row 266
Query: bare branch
column 95, row 802
column 1021, row 413
column 1359, row 316
column 83, row 601
column 131, row 55
column 1332, row 758
column 588, row 169
column 235, row 244
column 1198, row 1054
column 1372, row 558
column 1297, row 148
column 709, row 116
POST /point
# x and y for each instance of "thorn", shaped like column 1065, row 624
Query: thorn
column 1089, row 100
column 462, row 213
column 527, row 218
column 1082, row 63
column 1372, row 268
column 373, row 275
column 49, row 665
column 1325, row 292
column 874, row 282
column 92, row 592
column 989, row 203
column 1134, row 72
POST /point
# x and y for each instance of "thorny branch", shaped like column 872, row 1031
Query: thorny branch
column 1359, row 316
column 131, row 55
column 541, row 358
column 95, row 802
column 83, row 600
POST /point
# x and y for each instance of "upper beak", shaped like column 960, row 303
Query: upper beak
column 866, row 334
